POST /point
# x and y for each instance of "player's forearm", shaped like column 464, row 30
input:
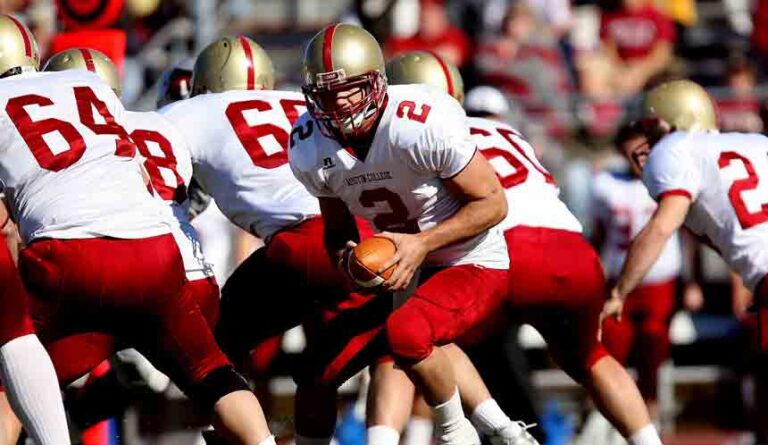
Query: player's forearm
column 473, row 218
column 643, row 253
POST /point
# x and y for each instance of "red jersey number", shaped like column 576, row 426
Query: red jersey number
column 746, row 218
column 407, row 108
column 177, row 191
column 33, row 131
column 396, row 220
column 516, row 158
column 250, row 135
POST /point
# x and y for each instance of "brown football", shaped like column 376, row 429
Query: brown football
column 368, row 257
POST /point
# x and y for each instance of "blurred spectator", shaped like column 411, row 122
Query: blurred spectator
column 639, row 41
column 760, row 35
column 740, row 109
column 435, row 33
column 556, row 15
column 525, row 62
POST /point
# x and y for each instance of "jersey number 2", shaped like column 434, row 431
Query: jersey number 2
column 746, row 218
column 394, row 221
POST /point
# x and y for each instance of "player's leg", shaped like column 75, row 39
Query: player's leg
column 574, row 347
column 25, row 368
column 183, row 335
column 154, row 312
column 653, row 339
column 561, row 296
column 277, row 288
column 10, row 426
column 446, row 306
column 390, row 399
column 315, row 413
column 420, row 427
column 620, row 336
column 486, row 414
column 341, row 341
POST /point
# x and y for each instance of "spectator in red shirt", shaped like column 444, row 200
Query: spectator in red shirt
column 436, row 33
column 639, row 40
column 740, row 109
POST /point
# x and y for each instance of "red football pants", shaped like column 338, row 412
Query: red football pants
column 761, row 302
column 644, row 325
column 90, row 295
column 557, row 285
column 444, row 307
column 277, row 288
column 14, row 316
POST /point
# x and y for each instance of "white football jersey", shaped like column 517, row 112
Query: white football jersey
column 726, row 177
column 622, row 205
column 166, row 159
column 67, row 163
column 239, row 142
column 422, row 139
column 532, row 195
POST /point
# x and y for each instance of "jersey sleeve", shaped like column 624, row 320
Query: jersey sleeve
column 312, row 181
column 671, row 170
column 443, row 146
column 302, row 157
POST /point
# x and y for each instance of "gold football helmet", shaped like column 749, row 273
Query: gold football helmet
column 347, row 58
column 232, row 63
column 683, row 105
column 89, row 60
column 18, row 48
column 428, row 68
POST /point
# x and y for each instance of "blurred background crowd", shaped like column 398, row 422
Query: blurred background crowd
column 566, row 73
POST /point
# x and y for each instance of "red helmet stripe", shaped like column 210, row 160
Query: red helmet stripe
column 88, row 60
column 249, row 61
column 24, row 36
column 446, row 71
column 328, row 47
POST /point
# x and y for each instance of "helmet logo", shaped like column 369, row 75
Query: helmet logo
column 331, row 78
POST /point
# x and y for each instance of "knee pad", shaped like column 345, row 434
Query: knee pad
column 409, row 333
column 217, row 384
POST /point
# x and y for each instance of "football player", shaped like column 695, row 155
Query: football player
column 166, row 162
column 164, row 154
column 99, row 256
column 403, row 159
column 238, row 129
column 709, row 182
column 25, row 368
column 621, row 207
column 560, row 295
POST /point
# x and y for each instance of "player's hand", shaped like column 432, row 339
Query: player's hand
column 344, row 255
column 612, row 308
column 411, row 251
